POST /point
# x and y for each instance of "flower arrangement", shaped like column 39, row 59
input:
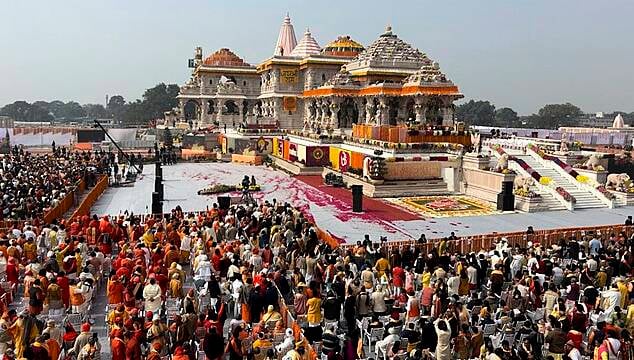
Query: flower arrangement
column 583, row 179
column 605, row 192
column 565, row 194
column 526, row 193
column 545, row 180
column 223, row 188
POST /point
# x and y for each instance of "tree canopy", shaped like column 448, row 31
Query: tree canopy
column 476, row 112
column 506, row 117
column 155, row 101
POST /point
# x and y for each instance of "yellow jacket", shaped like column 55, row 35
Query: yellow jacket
column 313, row 315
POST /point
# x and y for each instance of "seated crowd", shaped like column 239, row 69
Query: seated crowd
column 32, row 184
column 257, row 282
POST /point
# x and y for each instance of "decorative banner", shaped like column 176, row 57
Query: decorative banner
column 344, row 161
column 292, row 152
column 262, row 145
column 289, row 103
column 289, row 75
column 317, row 156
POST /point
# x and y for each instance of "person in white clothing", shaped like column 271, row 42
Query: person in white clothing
column 443, row 347
column 152, row 296
column 613, row 298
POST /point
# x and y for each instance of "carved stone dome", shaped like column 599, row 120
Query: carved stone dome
column 224, row 57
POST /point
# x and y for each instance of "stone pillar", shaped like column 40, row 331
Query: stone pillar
column 181, row 108
column 358, row 101
column 447, row 113
column 307, row 114
column 383, row 116
column 204, row 117
column 316, row 121
column 447, row 116
column 275, row 104
column 334, row 114
column 325, row 106
column 308, row 79
column 419, row 109
column 370, row 110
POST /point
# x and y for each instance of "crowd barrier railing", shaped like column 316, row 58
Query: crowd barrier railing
column 91, row 198
column 486, row 241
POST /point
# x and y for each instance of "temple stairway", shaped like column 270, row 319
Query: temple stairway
column 585, row 199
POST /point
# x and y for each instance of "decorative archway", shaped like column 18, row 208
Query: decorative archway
column 230, row 108
column 433, row 115
column 191, row 110
column 410, row 111
column 392, row 112
column 348, row 113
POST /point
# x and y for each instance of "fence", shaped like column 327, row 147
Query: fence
column 90, row 199
column 486, row 241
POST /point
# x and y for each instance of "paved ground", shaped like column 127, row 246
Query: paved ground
column 332, row 213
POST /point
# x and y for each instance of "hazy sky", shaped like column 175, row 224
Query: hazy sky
column 516, row 53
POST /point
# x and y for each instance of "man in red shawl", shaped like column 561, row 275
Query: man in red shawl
column 117, row 345
column 62, row 281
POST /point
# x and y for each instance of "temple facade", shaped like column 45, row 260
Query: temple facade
column 304, row 86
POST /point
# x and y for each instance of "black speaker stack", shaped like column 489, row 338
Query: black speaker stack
column 357, row 198
column 224, row 202
column 159, row 190
column 506, row 199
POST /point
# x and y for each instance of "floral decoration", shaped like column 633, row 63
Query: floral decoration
column 605, row 192
column 545, row 180
column 583, row 179
column 565, row 194
column 526, row 193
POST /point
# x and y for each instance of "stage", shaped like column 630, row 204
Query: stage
column 331, row 208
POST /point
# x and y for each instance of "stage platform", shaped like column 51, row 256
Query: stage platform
column 331, row 208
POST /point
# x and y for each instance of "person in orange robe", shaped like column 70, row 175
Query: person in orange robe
column 115, row 291
column 53, row 347
column 117, row 345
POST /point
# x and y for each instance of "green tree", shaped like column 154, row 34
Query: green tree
column 476, row 112
column 56, row 108
column 506, row 117
column 71, row 110
column 116, row 108
column 96, row 111
column 135, row 113
column 23, row 111
column 159, row 99
column 553, row 116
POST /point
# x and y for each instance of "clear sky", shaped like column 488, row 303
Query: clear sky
column 516, row 53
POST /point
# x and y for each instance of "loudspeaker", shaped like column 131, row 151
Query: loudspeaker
column 357, row 198
column 224, row 202
column 158, row 187
column 157, row 204
column 158, row 170
column 506, row 202
column 507, row 187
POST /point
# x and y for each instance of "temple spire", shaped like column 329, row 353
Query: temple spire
column 286, row 40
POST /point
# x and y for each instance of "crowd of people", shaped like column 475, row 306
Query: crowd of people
column 32, row 184
column 235, row 283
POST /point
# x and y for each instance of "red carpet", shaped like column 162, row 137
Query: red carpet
column 374, row 207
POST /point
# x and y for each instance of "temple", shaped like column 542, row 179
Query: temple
column 318, row 90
